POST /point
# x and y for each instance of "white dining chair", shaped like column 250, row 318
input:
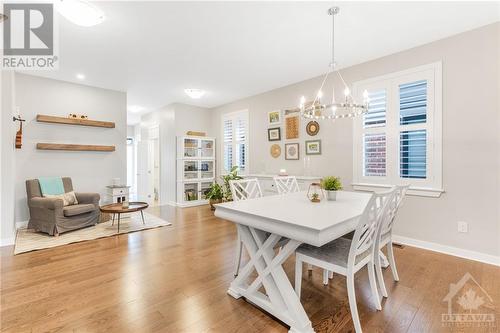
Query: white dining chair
column 286, row 184
column 385, row 237
column 346, row 257
column 243, row 190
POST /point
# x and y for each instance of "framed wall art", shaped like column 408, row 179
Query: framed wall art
column 274, row 134
column 291, row 151
column 292, row 127
column 313, row 147
column 274, row 117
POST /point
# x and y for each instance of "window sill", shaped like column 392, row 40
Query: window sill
column 415, row 191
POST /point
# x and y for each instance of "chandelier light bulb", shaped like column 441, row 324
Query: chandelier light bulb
column 365, row 94
column 347, row 92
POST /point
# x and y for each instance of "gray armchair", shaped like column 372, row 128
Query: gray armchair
column 50, row 216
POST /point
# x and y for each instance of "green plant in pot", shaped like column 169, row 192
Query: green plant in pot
column 232, row 175
column 331, row 185
column 214, row 195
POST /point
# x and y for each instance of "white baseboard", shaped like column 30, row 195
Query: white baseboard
column 454, row 251
column 22, row 224
column 7, row 241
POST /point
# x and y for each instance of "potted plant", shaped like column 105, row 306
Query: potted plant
column 232, row 175
column 214, row 195
column 331, row 185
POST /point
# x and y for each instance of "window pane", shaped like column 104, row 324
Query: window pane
column 241, row 156
column 413, row 102
column 376, row 111
column 413, row 149
column 228, row 130
column 374, row 151
column 240, row 129
column 228, row 156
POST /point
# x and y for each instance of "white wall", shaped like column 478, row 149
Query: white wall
column 90, row 171
column 7, row 136
column 471, row 139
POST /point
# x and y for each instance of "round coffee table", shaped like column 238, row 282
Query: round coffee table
column 117, row 208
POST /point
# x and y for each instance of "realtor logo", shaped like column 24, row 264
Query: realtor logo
column 469, row 305
column 29, row 36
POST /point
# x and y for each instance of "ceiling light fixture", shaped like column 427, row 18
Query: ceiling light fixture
column 195, row 93
column 334, row 110
column 80, row 12
column 135, row 108
column 80, row 76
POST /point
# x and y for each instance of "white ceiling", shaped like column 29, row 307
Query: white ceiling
column 153, row 50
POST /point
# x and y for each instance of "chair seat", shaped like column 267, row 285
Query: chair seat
column 335, row 252
column 78, row 209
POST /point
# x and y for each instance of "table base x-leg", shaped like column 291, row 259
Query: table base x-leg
column 280, row 299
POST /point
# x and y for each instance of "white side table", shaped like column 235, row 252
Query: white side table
column 117, row 194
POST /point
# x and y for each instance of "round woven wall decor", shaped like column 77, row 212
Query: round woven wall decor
column 275, row 150
column 312, row 128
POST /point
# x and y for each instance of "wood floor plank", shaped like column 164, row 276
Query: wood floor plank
column 174, row 279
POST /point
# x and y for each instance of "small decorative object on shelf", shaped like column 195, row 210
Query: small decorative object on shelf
column 282, row 172
column 194, row 133
column 315, row 192
column 76, row 116
column 331, row 185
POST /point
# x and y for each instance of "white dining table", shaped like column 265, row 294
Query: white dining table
column 262, row 222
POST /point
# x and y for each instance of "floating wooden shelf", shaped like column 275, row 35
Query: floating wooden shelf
column 74, row 121
column 67, row 146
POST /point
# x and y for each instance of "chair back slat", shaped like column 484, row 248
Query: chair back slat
column 393, row 208
column 367, row 230
column 286, row 184
column 245, row 189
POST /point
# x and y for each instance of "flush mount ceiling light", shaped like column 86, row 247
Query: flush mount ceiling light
column 80, row 76
column 135, row 108
column 195, row 93
column 334, row 110
column 80, row 12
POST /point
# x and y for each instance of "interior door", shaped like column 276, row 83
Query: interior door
column 145, row 176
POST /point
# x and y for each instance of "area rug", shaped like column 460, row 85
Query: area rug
column 29, row 240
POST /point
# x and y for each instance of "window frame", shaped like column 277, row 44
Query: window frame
column 432, row 185
column 233, row 116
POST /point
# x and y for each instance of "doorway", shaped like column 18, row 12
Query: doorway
column 148, row 167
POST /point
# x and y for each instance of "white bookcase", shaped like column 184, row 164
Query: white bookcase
column 195, row 169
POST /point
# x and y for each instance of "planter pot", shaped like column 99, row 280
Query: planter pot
column 213, row 202
column 331, row 195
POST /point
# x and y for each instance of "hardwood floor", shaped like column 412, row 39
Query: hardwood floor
column 174, row 279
